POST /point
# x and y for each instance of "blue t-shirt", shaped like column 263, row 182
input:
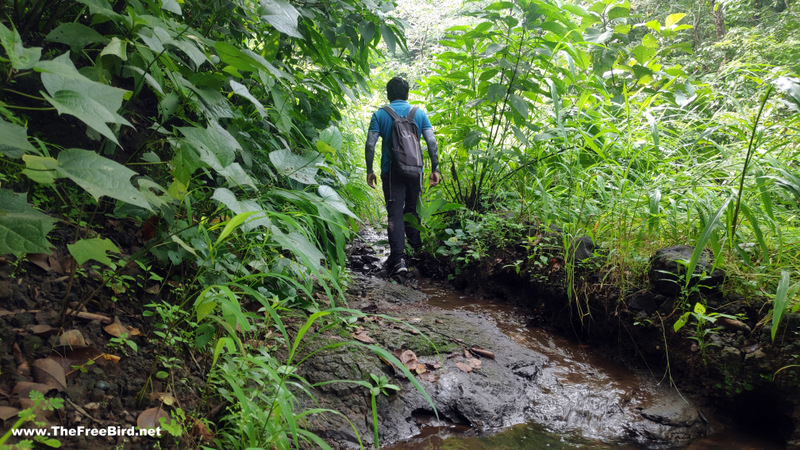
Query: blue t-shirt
column 382, row 123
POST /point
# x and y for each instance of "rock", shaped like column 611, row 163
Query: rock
column 582, row 248
column 667, row 274
column 643, row 302
column 6, row 291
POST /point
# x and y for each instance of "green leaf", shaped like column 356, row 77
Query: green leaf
column 297, row 167
column 300, row 246
column 699, row 308
column 14, row 143
column 388, row 38
column 367, row 30
column 98, row 175
column 76, row 35
column 496, row 91
column 333, row 199
column 520, row 105
column 100, row 7
column 241, row 90
column 597, row 37
column 228, row 198
column 93, row 103
column 643, row 54
column 672, row 19
column 681, row 321
column 233, row 224
column 21, row 58
column 94, row 248
column 281, row 15
column 172, row 6
column 332, row 136
column 23, row 229
column 117, row 48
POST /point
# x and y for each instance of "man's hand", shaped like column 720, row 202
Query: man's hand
column 371, row 179
column 435, row 178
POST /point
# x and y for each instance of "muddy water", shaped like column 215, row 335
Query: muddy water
column 581, row 377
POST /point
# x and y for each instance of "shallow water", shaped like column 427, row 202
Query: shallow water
column 582, row 377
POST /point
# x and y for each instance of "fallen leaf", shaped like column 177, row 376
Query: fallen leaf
column 72, row 358
column 420, row 369
column 23, row 388
column 42, row 329
column 149, row 418
column 5, row 312
column 439, row 321
column 482, row 352
column 49, row 372
column 464, row 367
column 112, row 358
column 41, row 260
column 467, row 354
column 363, row 337
column 164, row 397
column 430, row 377
column 134, row 331
column 474, row 363
column 154, row 289
column 200, row 429
column 434, row 365
column 409, row 359
column 412, row 331
column 7, row 412
column 72, row 338
column 116, row 328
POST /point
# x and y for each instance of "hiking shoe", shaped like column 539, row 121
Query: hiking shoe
column 398, row 268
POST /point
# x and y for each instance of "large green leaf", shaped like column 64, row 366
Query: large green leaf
column 94, row 248
column 300, row 246
column 98, row 175
column 333, row 199
column 294, row 166
column 240, row 89
column 281, row 15
column 216, row 140
column 76, row 35
column 228, row 198
column 23, row 229
column 21, row 58
column 95, row 104
column 14, row 143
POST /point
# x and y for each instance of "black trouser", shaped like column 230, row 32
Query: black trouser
column 401, row 194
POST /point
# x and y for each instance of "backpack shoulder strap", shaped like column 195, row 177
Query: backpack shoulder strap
column 411, row 113
column 391, row 112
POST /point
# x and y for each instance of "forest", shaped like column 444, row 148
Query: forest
column 183, row 185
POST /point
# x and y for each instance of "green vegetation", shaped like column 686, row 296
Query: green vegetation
column 207, row 155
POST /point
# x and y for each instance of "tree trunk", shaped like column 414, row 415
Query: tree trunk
column 719, row 19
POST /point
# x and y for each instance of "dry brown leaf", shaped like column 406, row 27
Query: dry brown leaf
column 434, row 365
column 412, row 331
column 49, row 372
column 482, row 352
column 474, row 363
column 40, row 259
column 42, row 329
column 116, row 328
column 430, row 377
column 420, row 369
column 5, row 312
column 23, row 388
column 112, row 358
column 134, row 331
column 464, row 367
column 409, row 359
column 149, row 417
column 7, row 412
column 439, row 321
column 71, row 358
column 72, row 338
column 363, row 337
column 467, row 354
column 154, row 289
column 200, row 430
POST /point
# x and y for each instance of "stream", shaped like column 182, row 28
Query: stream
column 581, row 375
column 536, row 390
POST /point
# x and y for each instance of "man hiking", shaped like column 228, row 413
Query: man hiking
column 401, row 166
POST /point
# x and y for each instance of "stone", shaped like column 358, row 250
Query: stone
column 643, row 302
column 667, row 274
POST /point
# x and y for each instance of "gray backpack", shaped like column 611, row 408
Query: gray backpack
column 406, row 149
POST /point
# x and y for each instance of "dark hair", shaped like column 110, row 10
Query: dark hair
column 397, row 89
